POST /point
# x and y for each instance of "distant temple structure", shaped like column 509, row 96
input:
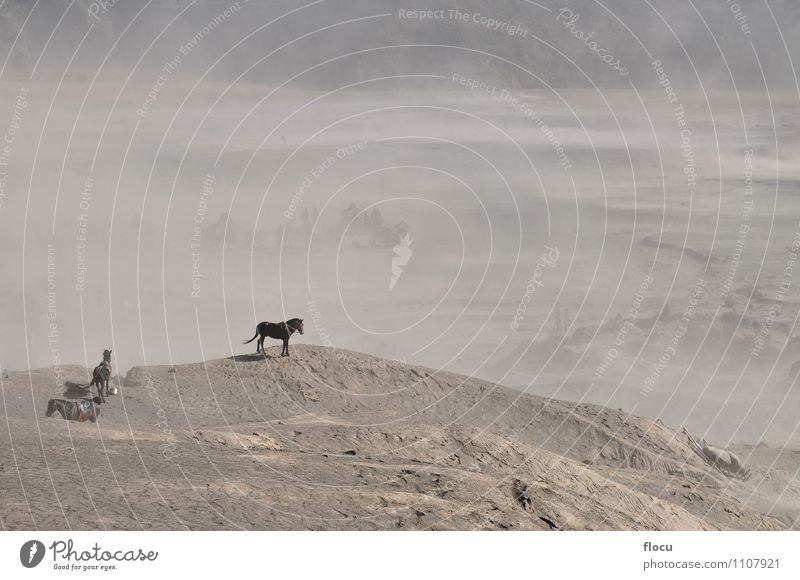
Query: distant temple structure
column 360, row 229
column 367, row 229
column 224, row 231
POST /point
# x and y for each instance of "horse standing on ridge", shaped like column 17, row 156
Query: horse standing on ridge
column 278, row 330
column 101, row 374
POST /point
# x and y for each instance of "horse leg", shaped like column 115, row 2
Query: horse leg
column 260, row 345
column 285, row 351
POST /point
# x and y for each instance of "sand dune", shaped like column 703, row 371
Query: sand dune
column 333, row 439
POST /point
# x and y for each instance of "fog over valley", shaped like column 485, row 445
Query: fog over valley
column 590, row 202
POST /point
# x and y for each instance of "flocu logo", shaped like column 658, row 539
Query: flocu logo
column 31, row 553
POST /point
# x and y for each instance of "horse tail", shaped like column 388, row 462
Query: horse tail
column 252, row 339
column 95, row 378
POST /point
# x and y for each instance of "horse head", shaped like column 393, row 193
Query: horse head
column 106, row 355
column 296, row 324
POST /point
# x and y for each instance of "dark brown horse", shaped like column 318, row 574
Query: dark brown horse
column 279, row 330
column 101, row 375
column 73, row 410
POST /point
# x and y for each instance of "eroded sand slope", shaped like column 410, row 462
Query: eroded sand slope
column 332, row 439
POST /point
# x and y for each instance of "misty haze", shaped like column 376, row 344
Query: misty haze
column 522, row 238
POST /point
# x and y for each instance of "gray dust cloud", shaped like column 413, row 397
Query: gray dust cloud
column 591, row 201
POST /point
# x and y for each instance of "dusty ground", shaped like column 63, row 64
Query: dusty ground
column 333, row 439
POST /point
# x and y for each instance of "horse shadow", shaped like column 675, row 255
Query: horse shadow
column 251, row 357
column 76, row 391
column 79, row 391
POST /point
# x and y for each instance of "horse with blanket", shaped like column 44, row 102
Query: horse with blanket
column 73, row 410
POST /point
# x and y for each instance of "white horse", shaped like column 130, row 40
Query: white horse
column 726, row 462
